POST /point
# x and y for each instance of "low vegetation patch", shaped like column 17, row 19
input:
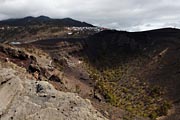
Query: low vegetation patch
column 123, row 89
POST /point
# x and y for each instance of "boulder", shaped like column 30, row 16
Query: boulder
column 55, row 79
column 34, row 68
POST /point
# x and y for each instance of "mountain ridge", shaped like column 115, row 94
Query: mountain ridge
column 30, row 20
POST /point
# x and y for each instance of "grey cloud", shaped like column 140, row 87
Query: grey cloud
column 129, row 15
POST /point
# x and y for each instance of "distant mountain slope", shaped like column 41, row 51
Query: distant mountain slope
column 68, row 22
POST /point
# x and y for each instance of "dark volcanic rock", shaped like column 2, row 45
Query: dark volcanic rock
column 15, row 53
column 34, row 68
column 55, row 79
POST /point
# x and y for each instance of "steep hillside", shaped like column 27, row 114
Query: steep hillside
column 137, row 71
column 29, row 90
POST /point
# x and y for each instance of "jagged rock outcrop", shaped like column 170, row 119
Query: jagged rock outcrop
column 38, row 100
column 14, row 52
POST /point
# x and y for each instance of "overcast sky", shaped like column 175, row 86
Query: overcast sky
column 131, row 15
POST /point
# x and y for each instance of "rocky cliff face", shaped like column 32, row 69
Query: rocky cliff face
column 24, row 99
